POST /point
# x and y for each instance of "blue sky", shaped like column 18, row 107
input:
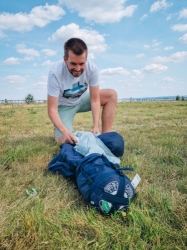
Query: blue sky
column 140, row 47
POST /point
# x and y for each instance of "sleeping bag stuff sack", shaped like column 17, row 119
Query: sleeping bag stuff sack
column 66, row 161
column 103, row 184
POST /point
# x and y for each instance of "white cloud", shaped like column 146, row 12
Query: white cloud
column 179, row 56
column 137, row 72
column 183, row 13
column 114, row 71
column 144, row 17
column 159, row 5
column 39, row 16
column 48, row 63
column 40, row 84
column 28, row 58
column 176, row 57
column 183, row 38
column 29, row 53
column 44, row 78
column 49, row 52
column 168, row 79
column 169, row 48
column 162, row 59
column 138, row 75
column 12, row 60
column 179, row 27
column 94, row 40
column 146, row 46
column 2, row 35
column 154, row 68
column 168, row 17
column 139, row 55
column 14, row 79
column 156, row 43
column 106, row 11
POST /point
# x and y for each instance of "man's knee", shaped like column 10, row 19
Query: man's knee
column 108, row 95
column 114, row 95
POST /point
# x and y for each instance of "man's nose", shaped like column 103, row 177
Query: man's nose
column 78, row 67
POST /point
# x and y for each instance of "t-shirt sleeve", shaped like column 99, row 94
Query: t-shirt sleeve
column 94, row 76
column 53, row 88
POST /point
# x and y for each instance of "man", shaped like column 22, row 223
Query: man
column 68, row 82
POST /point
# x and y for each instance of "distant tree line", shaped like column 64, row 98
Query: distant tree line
column 28, row 99
column 178, row 98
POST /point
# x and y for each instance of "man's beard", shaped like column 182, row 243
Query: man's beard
column 75, row 73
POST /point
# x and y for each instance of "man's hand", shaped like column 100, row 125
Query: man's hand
column 67, row 137
column 95, row 131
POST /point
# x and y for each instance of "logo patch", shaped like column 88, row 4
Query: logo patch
column 112, row 188
column 128, row 191
column 105, row 206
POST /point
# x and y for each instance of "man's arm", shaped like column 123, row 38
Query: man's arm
column 95, row 106
column 52, row 104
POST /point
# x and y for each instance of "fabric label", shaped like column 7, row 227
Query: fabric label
column 136, row 181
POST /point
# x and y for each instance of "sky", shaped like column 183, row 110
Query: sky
column 139, row 47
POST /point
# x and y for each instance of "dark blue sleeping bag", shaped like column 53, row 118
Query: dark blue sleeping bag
column 103, row 184
column 66, row 161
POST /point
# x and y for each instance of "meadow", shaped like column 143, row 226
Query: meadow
column 41, row 210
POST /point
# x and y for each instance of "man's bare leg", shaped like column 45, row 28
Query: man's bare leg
column 108, row 99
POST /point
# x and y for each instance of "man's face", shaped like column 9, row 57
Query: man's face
column 76, row 64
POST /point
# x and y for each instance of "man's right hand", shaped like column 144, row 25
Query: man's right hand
column 67, row 137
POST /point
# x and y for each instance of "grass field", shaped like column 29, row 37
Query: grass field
column 39, row 210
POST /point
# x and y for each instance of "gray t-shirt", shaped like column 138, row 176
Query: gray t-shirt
column 69, row 89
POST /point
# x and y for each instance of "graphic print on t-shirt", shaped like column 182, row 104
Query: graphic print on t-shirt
column 76, row 91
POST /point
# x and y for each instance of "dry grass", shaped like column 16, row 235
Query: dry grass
column 57, row 217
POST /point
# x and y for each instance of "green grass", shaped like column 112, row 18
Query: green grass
column 54, row 215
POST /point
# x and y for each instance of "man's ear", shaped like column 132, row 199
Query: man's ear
column 65, row 59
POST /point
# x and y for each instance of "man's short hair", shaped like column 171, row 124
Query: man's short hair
column 76, row 45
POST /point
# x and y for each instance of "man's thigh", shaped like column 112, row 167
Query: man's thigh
column 67, row 113
column 84, row 104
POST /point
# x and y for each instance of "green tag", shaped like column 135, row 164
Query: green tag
column 106, row 206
